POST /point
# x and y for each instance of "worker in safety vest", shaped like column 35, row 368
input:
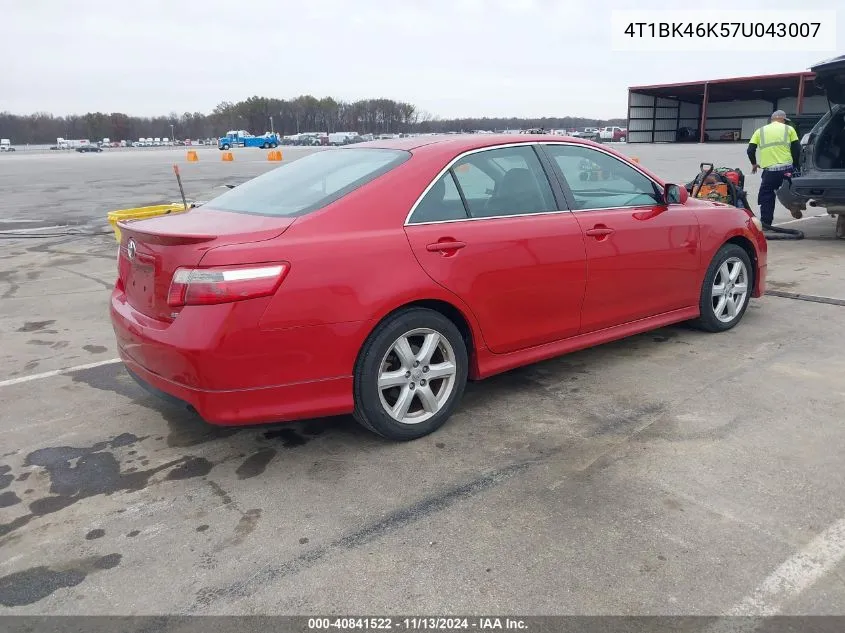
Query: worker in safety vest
column 780, row 151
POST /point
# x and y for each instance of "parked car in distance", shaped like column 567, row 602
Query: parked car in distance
column 376, row 279
column 589, row 133
column 820, row 181
column 613, row 133
column 85, row 149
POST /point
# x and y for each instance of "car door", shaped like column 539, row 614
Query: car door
column 491, row 230
column 643, row 256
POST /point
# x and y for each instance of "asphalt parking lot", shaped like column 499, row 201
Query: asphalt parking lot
column 675, row 472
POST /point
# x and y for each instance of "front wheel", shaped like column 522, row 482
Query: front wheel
column 225, row 147
column 726, row 290
column 410, row 375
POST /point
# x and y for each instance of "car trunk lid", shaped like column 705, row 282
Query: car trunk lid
column 830, row 75
column 152, row 249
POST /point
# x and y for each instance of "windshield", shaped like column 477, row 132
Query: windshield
column 309, row 183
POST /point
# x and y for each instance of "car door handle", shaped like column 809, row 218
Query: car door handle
column 599, row 231
column 445, row 246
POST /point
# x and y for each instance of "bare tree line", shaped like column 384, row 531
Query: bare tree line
column 261, row 114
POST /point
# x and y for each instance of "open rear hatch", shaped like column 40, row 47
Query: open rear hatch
column 830, row 76
column 151, row 250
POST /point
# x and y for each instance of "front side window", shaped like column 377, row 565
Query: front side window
column 601, row 181
column 504, row 181
column 309, row 183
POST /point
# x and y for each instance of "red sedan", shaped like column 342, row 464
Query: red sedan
column 378, row 278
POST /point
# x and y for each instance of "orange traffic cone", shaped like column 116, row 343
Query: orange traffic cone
column 274, row 155
column 228, row 157
column 192, row 156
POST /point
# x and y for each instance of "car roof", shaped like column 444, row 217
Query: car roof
column 448, row 146
column 463, row 142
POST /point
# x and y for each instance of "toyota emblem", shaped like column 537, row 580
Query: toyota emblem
column 131, row 248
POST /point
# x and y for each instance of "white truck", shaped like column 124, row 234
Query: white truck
column 613, row 133
column 62, row 143
column 6, row 145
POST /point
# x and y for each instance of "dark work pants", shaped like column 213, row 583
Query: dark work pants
column 769, row 184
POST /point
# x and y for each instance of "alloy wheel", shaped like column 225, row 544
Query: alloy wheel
column 730, row 289
column 417, row 376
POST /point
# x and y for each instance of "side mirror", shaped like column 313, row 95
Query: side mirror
column 675, row 194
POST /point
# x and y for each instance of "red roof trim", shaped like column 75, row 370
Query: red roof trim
column 734, row 80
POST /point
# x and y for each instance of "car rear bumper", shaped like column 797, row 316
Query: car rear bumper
column 282, row 403
column 234, row 373
column 824, row 189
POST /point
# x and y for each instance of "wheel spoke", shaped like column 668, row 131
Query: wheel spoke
column 741, row 289
column 737, row 269
column 441, row 370
column 731, row 306
column 403, row 350
column 427, row 399
column 719, row 290
column 724, row 272
column 720, row 307
column 429, row 346
column 403, row 403
column 389, row 379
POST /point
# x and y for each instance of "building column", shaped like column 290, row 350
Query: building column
column 704, row 101
column 799, row 104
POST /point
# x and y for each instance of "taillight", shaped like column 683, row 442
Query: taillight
column 204, row 286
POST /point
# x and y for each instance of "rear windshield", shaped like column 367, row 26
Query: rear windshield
column 309, row 183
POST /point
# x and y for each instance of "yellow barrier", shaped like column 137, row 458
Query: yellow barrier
column 274, row 155
column 141, row 213
column 228, row 157
column 192, row 156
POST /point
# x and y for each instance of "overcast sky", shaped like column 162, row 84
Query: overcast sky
column 451, row 58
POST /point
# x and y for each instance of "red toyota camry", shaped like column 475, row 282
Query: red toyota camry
column 377, row 279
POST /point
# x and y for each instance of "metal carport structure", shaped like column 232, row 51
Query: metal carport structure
column 718, row 109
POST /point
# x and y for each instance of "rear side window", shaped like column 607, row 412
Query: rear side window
column 309, row 183
column 441, row 203
column 504, row 181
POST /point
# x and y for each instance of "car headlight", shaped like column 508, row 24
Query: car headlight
column 757, row 222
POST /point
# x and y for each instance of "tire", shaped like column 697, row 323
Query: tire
column 716, row 315
column 225, row 147
column 274, row 145
column 379, row 357
column 265, row 146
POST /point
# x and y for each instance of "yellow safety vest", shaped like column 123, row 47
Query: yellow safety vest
column 773, row 141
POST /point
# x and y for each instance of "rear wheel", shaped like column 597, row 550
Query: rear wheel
column 411, row 375
column 726, row 290
column 265, row 146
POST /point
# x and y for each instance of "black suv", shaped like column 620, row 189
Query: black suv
column 821, row 179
